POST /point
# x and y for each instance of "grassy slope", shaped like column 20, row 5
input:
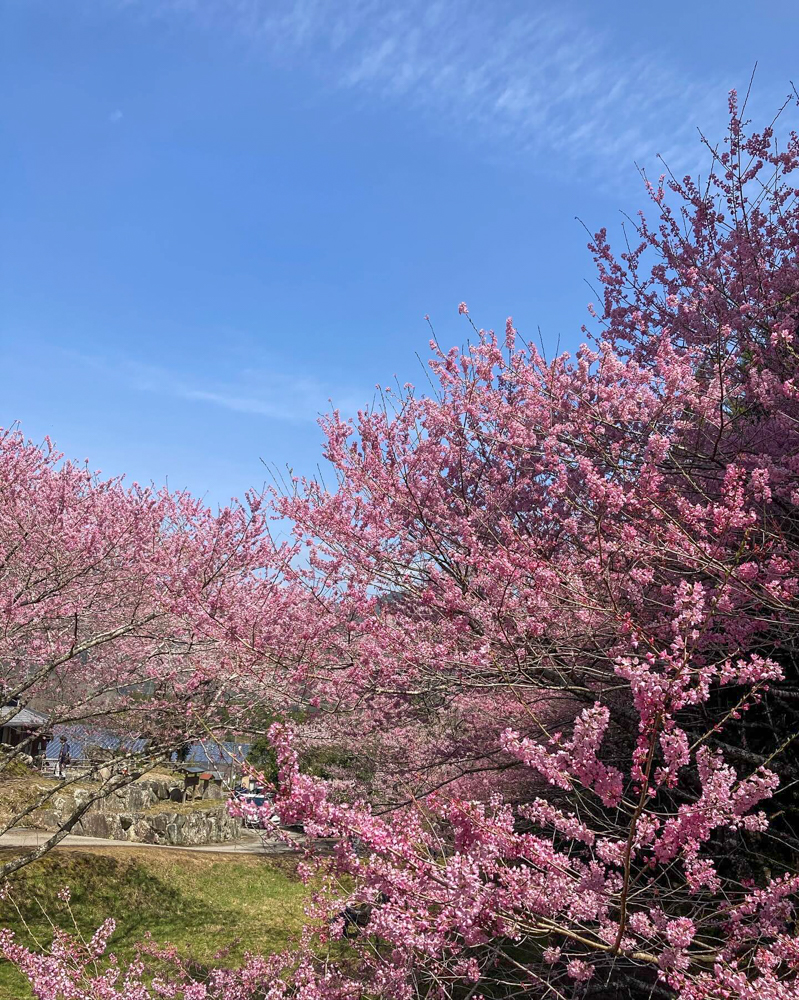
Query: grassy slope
column 201, row 903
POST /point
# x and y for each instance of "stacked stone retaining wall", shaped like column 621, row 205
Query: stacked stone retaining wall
column 146, row 812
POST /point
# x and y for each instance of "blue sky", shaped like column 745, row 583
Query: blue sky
column 218, row 214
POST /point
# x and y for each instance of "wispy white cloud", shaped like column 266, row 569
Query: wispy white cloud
column 262, row 391
column 515, row 79
column 285, row 398
column 115, row 117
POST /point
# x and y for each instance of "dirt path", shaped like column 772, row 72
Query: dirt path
column 249, row 843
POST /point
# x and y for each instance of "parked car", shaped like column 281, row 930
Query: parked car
column 257, row 798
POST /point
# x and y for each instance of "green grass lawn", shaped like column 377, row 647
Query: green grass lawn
column 202, row 903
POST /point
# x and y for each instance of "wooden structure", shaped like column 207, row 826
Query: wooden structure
column 24, row 726
column 199, row 782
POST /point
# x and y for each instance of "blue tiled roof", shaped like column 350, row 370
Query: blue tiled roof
column 210, row 752
column 81, row 739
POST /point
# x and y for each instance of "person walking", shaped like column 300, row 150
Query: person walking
column 63, row 759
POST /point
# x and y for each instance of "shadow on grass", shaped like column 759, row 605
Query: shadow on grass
column 203, row 905
column 100, row 886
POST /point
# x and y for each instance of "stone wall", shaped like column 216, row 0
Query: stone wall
column 145, row 812
column 197, row 826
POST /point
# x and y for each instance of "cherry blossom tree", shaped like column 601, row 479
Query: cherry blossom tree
column 555, row 603
column 117, row 609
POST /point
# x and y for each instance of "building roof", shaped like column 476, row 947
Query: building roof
column 196, row 769
column 81, row 739
column 24, row 718
column 205, row 755
column 207, row 752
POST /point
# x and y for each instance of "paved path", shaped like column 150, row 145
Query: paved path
column 249, row 843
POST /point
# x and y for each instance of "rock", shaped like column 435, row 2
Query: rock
column 158, row 823
column 95, row 824
column 145, row 832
